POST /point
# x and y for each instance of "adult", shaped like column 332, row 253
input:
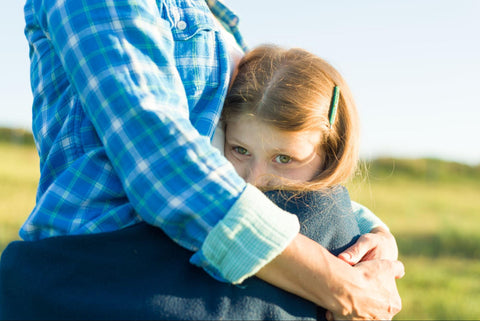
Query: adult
column 126, row 97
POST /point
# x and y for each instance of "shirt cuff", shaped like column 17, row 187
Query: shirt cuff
column 252, row 234
column 366, row 220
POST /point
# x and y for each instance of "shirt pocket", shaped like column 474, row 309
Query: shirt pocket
column 196, row 48
column 191, row 18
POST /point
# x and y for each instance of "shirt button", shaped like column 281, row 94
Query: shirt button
column 181, row 25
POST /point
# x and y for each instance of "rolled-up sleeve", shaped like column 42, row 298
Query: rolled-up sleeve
column 268, row 232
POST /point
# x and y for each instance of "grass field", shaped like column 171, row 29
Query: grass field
column 19, row 173
column 431, row 206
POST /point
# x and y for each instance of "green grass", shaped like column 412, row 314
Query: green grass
column 431, row 206
column 19, row 173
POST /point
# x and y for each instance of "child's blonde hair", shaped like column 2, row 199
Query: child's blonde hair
column 292, row 90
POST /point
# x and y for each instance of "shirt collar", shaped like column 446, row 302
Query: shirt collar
column 228, row 19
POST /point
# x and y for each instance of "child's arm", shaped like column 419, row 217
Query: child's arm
column 376, row 241
column 366, row 220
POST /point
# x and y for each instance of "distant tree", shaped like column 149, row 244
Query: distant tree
column 16, row 136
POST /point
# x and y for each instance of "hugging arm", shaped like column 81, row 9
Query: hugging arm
column 364, row 291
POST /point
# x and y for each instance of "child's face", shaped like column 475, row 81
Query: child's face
column 262, row 153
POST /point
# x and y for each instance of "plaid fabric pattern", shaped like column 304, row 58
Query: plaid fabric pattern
column 126, row 97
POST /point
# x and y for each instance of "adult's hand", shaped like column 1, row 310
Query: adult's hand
column 365, row 291
column 374, row 296
column 379, row 244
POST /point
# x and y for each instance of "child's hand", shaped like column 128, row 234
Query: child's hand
column 378, row 244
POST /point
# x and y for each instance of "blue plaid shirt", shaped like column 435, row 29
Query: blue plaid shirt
column 127, row 94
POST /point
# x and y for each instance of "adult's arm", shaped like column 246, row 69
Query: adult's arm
column 365, row 291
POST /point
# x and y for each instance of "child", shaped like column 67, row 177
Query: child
column 284, row 133
column 287, row 100
column 291, row 123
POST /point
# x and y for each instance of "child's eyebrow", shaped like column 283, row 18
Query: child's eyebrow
column 234, row 140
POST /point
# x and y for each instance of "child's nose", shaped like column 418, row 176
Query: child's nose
column 256, row 174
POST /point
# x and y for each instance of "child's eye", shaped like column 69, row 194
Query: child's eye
column 241, row 150
column 283, row 159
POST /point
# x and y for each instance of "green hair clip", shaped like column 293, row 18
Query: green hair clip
column 332, row 113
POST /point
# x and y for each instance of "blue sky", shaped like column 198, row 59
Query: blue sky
column 413, row 66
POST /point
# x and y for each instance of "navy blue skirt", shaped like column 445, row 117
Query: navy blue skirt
column 140, row 273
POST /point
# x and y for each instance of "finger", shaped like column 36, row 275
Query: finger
column 395, row 268
column 345, row 256
column 399, row 269
column 357, row 251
